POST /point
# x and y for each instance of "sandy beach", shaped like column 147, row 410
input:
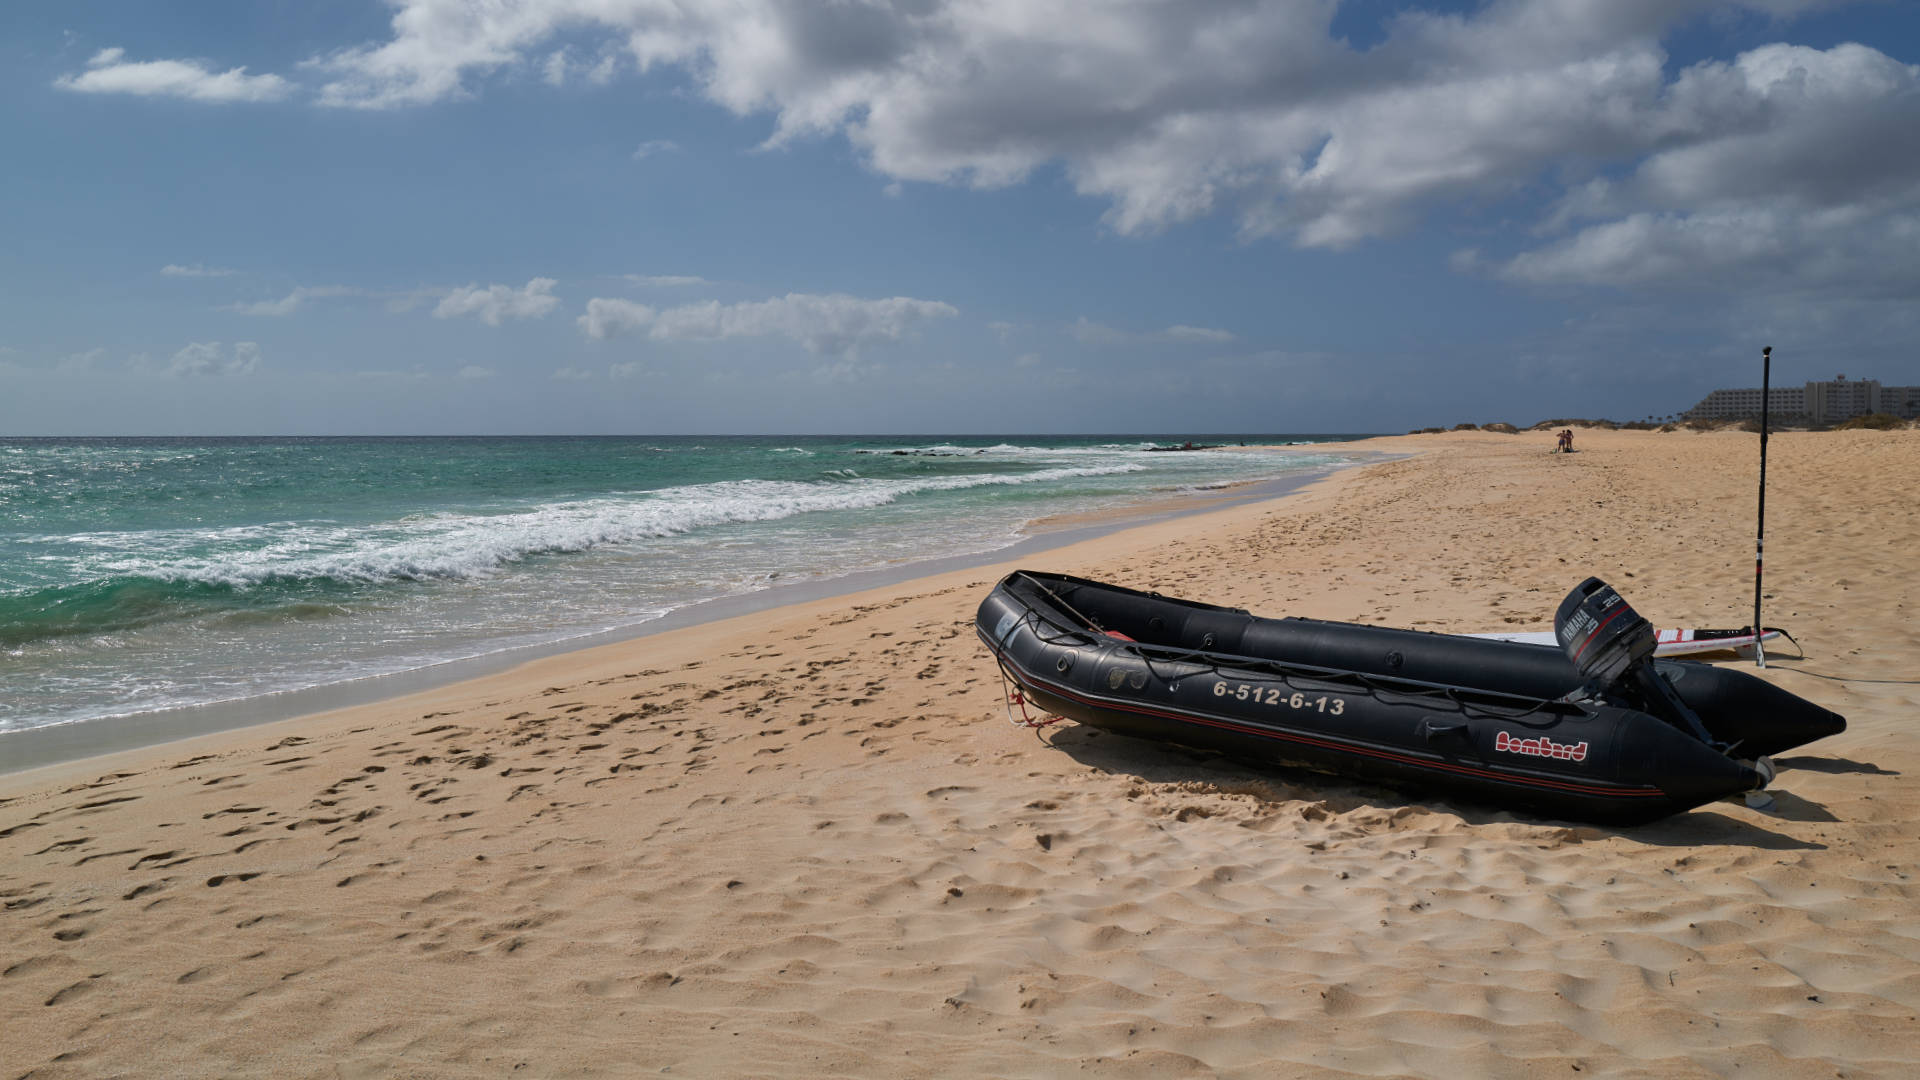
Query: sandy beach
column 806, row 841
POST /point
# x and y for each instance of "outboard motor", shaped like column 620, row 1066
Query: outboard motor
column 1601, row 633
column 1611, row 646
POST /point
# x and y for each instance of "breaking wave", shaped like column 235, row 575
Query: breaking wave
column 297, row 569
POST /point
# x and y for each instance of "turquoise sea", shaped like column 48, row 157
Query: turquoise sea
column 148, row 574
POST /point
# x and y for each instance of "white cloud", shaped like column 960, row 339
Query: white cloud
column 474, row 371
column 630, row 369
column 246, row 358
column 1785, row 168
column 607, row 317
column 1799, row 169
column 845, row 370
column 571, row 374
column 295, row 300
column 831, row 323
column 1088, row 332
column 561, row 67
column 210, row 358
column 1171, row 111
column 298, row 298
column 194, row 270
column 109, row 72
column 1753, row 247
column 603, row 70
column 286, row 305
column 498, row 302
column 1821, row 127
column 435, row 43
column 401, row 303
column 654, row 146
column 1197, row 333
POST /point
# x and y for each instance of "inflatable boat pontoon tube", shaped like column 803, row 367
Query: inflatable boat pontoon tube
column 1595, row 731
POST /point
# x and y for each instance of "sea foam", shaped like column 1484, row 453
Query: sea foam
column 465, row 545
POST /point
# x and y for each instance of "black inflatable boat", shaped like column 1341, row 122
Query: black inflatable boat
column 1596, row 730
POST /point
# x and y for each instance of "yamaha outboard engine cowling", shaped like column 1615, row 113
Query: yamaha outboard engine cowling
column 1601, row 633
column 1611, row 647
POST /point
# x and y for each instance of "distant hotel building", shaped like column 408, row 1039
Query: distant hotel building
column 1815, row 403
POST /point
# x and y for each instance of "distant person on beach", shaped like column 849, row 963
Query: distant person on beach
column 1566, row 442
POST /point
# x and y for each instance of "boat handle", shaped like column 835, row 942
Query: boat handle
column 1434, row 729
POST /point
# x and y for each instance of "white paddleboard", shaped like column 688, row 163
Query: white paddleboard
column 1678, row 642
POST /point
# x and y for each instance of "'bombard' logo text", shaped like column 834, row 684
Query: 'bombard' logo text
column 1540, row 748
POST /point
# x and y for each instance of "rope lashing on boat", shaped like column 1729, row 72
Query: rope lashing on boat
column 1250, row 668
column 1017, row 696
column 1058, row 599
column 1510, row 708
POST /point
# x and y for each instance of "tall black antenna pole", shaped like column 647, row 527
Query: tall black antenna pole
column 1760, row 534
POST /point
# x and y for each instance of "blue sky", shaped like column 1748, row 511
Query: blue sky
column 631, row 216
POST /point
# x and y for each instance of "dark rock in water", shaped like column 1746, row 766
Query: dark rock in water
column 1184, row 446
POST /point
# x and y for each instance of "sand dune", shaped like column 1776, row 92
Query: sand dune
column 807, row 842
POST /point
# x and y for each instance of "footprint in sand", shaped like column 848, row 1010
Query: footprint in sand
column 218, row 880
column 69, row 993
